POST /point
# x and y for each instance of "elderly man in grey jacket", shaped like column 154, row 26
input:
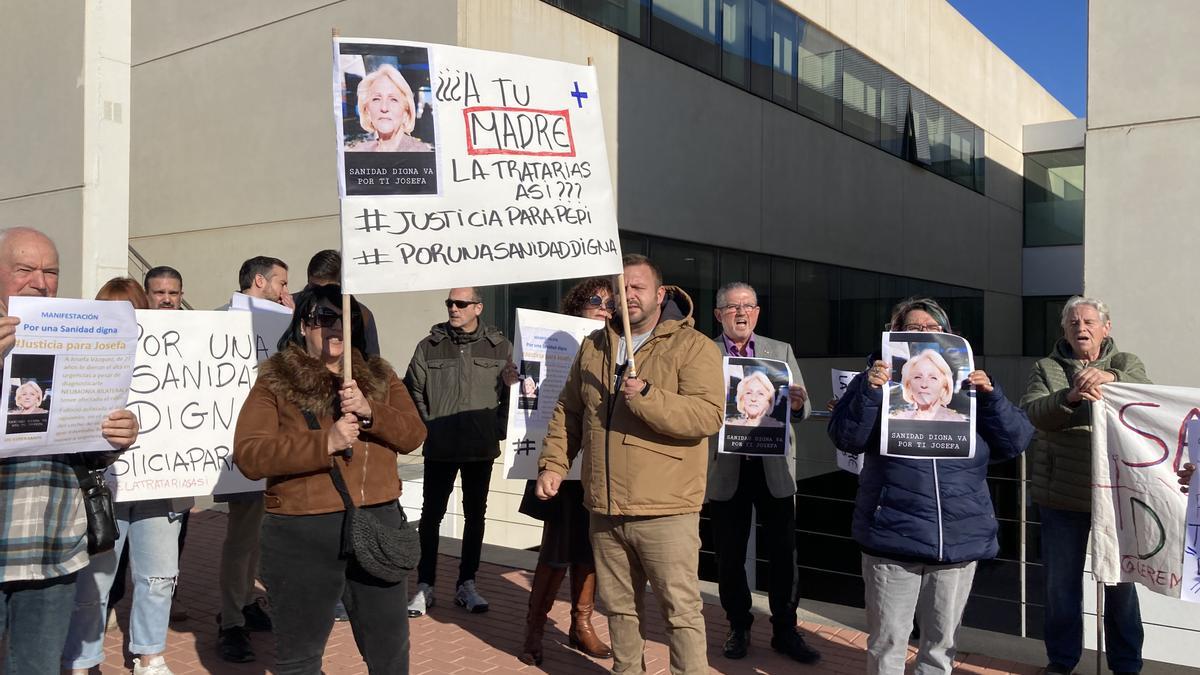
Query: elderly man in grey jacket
column 739, row 484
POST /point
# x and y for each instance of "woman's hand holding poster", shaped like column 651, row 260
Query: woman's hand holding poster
column 928, row 409
column 757, row 415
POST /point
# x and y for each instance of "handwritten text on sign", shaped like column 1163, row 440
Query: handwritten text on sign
column 193, row 372
column 1138, row 514
column 502, row 178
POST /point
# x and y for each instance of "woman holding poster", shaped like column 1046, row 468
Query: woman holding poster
column 300, row 421
column 565, row 544
column 922, row 524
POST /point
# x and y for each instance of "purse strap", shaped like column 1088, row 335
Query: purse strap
column 86, row 477
column 335, row 473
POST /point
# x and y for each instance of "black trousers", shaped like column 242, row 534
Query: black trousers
column 439, row 483
column 732, row 528
column 305, row 578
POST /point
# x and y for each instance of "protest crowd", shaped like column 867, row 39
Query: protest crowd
column 641, row 412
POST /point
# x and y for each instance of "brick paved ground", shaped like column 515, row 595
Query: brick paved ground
column 450, row 640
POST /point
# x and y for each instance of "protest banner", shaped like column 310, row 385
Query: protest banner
column 846, row 461
column 193, row 372
column 69, row 368
column 757, row 415
column 270, row 320
column 1139, row 516
column 1191, row 545
column 463, row 167
column 928, row 411
column 544, row 349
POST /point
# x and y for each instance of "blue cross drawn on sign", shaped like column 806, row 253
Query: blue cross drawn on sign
column 579, row 95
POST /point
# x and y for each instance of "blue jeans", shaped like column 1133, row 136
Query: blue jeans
column 35, row 615
column 152, row 530
column 1064, row 543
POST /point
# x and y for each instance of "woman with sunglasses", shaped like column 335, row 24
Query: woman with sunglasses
column 565, row 543
column 922, row 524
column 300, row 420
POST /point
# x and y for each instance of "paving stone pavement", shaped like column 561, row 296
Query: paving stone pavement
column 449, row 640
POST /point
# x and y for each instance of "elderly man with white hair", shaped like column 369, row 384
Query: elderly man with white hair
column 43, row 526
column 1058, row 400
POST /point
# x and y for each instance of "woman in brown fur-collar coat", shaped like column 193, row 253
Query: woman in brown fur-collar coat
column 364, row 424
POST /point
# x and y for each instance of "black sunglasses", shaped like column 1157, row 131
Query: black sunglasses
column 324, row 317
column 461, row 304
column 596, row 301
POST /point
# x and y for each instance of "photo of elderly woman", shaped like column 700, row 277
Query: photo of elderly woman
column 756, row 409
column 29, row 388
column 387, row 114
column 530, row 385
column 929, row 405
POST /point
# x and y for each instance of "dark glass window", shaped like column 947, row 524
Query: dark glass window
column 785, row 26
column 686, row 30
column 1042, row 323
column 694, row 269
column 862, row 80
column 819, row 86
column 762, row 65
column 1054, row 198
column 735, row 41
column 623, row 16
column 893, row 113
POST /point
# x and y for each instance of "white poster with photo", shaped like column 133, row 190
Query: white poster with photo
column 544, row 348
column 270, row 321
column 194, row 371
column 69, row 368
column 757, row 414
column 1140, row 519
column 463, row 167
column 846, row 461
column 928, row 407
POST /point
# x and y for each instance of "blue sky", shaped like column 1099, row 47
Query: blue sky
column 1047, row 38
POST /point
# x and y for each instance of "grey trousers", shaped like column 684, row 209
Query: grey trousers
column 895, row 591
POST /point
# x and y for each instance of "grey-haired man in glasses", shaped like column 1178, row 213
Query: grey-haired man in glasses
column 459, row 378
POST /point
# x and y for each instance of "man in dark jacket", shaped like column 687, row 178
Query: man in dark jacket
column 459, row 378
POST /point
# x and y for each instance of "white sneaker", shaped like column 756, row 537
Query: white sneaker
column 470, row 598
column 159, row 667
column 421, row 602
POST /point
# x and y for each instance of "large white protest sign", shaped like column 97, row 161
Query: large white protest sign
column 1191, row 544
column 1138, row 512
column 461, row 167
column 544, row 349
column 846, row 461
column 70, row 368
column 194, row 370
column 757, row 413
column 928, row 411
column 270, row 320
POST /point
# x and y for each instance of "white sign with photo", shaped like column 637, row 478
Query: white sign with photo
column 70, row 368
column 928, row 407
column 463, row 167
column 194, row 371
column 846, row 461
column 757, row 413
column 544, row 348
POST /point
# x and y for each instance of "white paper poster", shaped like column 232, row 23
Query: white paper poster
column 1139, row 516
column 463, row 167
column 70, row 368
column 928, row 409
column 544, row 349
column 194, row 370
column 270, row 321
column 757, row 414
column 1191, row 544
column 846, row 461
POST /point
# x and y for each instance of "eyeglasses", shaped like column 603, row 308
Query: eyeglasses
column 325, row 317
column 461, row 304
column 738, row 308
column 597, row 301
column 923, row 327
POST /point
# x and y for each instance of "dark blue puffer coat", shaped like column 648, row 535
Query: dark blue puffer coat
column 928, row 510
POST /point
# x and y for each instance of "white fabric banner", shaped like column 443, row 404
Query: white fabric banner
column 1138, row 512
column 194, row 370
column 544, row 349
column 463, row 167
column 70, row 368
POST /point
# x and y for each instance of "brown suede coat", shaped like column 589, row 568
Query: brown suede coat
column 273, row 440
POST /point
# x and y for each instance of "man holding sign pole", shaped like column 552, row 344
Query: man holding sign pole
column 644, row 442
column 43, row 544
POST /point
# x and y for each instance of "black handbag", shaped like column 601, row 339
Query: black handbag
column 99, row 506
column 385, row 552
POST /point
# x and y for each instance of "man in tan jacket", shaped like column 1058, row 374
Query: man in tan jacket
column 644, row 460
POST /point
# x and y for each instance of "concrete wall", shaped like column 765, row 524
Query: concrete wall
column 1140, row 248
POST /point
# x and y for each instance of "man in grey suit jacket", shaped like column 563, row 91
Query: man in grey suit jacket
column 739, row 483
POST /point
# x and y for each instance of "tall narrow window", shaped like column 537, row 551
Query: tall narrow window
column 686, row 30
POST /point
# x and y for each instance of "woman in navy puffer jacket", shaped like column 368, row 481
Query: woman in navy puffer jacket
column 922, row 524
